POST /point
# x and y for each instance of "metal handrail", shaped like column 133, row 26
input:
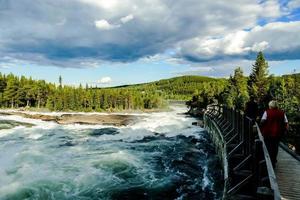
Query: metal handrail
column 271, row 173
column 221, row 137
column 242, row 139
column 211, row 125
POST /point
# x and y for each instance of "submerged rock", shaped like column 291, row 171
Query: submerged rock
column 103, row 131
column 8, row 124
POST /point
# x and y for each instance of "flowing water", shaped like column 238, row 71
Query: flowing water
column 161, row 156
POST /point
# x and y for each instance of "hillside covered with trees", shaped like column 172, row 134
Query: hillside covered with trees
column 22, row 92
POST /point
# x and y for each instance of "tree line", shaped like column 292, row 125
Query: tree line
column 22, row 92
column 263, row 88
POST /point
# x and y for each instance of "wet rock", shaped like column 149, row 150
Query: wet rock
column 90, row 119
column 94, row 119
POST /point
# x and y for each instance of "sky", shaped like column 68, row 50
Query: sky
column 117, row 42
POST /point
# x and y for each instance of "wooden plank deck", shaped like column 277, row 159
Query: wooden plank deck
column 288, row 176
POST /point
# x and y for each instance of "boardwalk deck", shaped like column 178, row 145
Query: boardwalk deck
column 288, row 176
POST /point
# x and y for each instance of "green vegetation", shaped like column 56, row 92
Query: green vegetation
column 258, row 80
column 21, row 92
column 18, row 92
column 182, row 88
column 236, row 91
column 261, row 86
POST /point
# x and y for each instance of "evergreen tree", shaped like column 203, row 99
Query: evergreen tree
column 258, row 80
column 2, row 88
column 11, row 91
column 60, row 81
column 240, row 83
column 236, row 94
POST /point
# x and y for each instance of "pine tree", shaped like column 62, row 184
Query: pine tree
column 2, row 88
column 236, row 94
column 11, row 90
column 60, row 81
column 29, row 97
column 258, row 80
column 240, row 84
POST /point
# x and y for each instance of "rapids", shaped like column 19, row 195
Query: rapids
column 161, row 156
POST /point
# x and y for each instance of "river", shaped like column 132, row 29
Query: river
column 160, row 156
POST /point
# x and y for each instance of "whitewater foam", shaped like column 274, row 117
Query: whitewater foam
column 69, row 162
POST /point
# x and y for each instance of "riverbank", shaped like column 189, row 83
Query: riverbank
column 111, row 110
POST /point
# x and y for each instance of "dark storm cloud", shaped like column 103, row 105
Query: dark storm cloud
column 66, row 32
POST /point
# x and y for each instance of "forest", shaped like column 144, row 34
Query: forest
column 263, row 88
column 22, row 92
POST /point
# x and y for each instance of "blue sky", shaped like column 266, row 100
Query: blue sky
column 108, row 43
column 120, row 73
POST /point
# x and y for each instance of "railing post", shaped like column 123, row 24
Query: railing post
column 256, row 160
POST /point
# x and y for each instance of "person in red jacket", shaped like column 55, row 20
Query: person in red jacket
column 274, row 124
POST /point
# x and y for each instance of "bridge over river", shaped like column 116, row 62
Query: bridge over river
column 248, row 171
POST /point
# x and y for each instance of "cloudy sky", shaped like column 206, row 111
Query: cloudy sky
column 113, row 42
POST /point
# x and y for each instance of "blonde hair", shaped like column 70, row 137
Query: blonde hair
column 273, row 104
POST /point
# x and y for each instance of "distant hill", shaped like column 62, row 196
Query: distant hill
column 175, row 80
column 296, row 76
column 17, row 92
column 179, row 88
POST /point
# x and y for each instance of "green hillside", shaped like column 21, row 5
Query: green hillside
column 181, row 88
column 22, row 92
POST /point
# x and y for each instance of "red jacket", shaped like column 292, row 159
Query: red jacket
column 274, row 125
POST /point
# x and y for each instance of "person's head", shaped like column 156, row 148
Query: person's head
column 273, row 104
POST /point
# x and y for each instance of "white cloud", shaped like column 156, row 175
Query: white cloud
column 66, row 33
column 271, row 9
column 61, row 22
column 199, row 69
column 5, row 65
column 225, row 67
column 234, row 43
column 208, row 48
column 260, row 46
column 274, row 38
column 105, row 25
column 126, row 18
column 279, row 36
column 106, row 4
column 293, row 4
column 218, row 68
column 105, row 80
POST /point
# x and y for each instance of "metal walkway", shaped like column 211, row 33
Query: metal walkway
column 248, row 171
column 288, row 176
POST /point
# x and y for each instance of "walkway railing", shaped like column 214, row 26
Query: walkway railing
column 248, row 171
